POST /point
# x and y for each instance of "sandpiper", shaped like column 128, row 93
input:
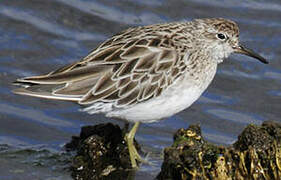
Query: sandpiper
column 144, row 74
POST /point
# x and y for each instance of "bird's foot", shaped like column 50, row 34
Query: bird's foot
column 134, row 155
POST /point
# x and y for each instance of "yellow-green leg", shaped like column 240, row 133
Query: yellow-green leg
column 129, row 137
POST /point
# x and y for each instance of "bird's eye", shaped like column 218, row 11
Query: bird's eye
column 221, row 36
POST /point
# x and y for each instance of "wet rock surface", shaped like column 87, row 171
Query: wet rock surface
column 255, row 155
column 102, row 153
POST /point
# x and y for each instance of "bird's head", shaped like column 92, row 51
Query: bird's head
column 220, row 37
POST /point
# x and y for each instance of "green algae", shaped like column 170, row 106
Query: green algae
column 255, row 155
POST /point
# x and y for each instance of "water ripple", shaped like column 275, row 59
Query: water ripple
column 208, row 97
column 275, row 93
column 34, row 115
column 271, row 6
column 217, row 137
column 13, row 141
column 113, row 14
column 273, row 74
column 46, row 26
column 235, row 116
column 236, row 73
column 10, row 40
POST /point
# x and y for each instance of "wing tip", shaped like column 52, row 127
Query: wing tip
column 32, row 80
column 19, row 91
column 45, row 95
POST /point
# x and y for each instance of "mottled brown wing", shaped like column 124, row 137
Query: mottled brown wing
column 142, row 69
column 123, row 70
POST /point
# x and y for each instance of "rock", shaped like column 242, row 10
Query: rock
column 255, row 155
column 102, row 153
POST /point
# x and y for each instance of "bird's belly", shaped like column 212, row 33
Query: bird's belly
column 171, row 101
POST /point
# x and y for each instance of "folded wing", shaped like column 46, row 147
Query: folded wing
column 120, row 71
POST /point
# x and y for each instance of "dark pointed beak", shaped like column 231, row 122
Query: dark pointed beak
column 243, row 50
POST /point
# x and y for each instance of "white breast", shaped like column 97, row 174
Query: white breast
column 173, row 100
column 179, row 96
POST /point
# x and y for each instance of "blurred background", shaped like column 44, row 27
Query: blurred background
column 37, row 36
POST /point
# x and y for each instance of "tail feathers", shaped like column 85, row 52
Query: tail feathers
column 23, row 84
column 31, row 91
column 91, row 71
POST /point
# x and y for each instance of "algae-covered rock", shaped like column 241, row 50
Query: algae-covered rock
column 101, row 153
column 255, row 155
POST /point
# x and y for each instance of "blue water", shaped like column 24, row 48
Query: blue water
column 37, row 36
